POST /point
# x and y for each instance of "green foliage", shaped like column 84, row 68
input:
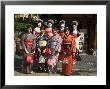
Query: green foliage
column 20, row 26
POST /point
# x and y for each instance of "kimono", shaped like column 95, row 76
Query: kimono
column 42, row 37
column 42, row 44
column 68, row 47
column 55, row 48
column 28, row 44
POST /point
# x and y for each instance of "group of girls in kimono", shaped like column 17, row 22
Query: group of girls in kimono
column 48, row 45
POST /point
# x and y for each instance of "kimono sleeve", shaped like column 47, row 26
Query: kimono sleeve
column 59, row 42
column 22, row 41
column 34, row 42
column 73, row 45
column 34, row 31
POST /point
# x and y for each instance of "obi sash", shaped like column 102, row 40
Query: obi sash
column 28, row 42
column 42, row 43
column 48, row 30
column 67, row 44
column 67, row 48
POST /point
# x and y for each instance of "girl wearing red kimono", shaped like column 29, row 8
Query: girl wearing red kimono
column 68, row 52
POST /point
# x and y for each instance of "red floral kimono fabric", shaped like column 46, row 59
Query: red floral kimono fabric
column 67, row 68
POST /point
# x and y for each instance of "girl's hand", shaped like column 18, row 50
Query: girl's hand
column 73, row 55
column 34, row 52
column 39, row 50
column 43, row 51
column 27, row 52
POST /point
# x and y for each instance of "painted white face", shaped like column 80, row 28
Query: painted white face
column 39, row 24
column 67, row 32
column 75, row 27
column 75, row 32
column 62, row 25
column 49, row 25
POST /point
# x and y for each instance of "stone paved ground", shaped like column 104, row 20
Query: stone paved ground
column 88, row 62
column 86, row 67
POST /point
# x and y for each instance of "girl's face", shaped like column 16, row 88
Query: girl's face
column 67, row 32
column 74, row 26
column 39, row 24
column 49, row 25
column 62, row 25
column 29, row 30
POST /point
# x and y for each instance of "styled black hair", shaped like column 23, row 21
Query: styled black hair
column 42, row 28
column 28, row 26
column 55, row 29
column 62, row 22
column 74, row 23
column 50, row 21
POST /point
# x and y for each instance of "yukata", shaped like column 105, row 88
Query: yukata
column 28, row 43
column 55, row 48
column 43, row 38
column 68, row 47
